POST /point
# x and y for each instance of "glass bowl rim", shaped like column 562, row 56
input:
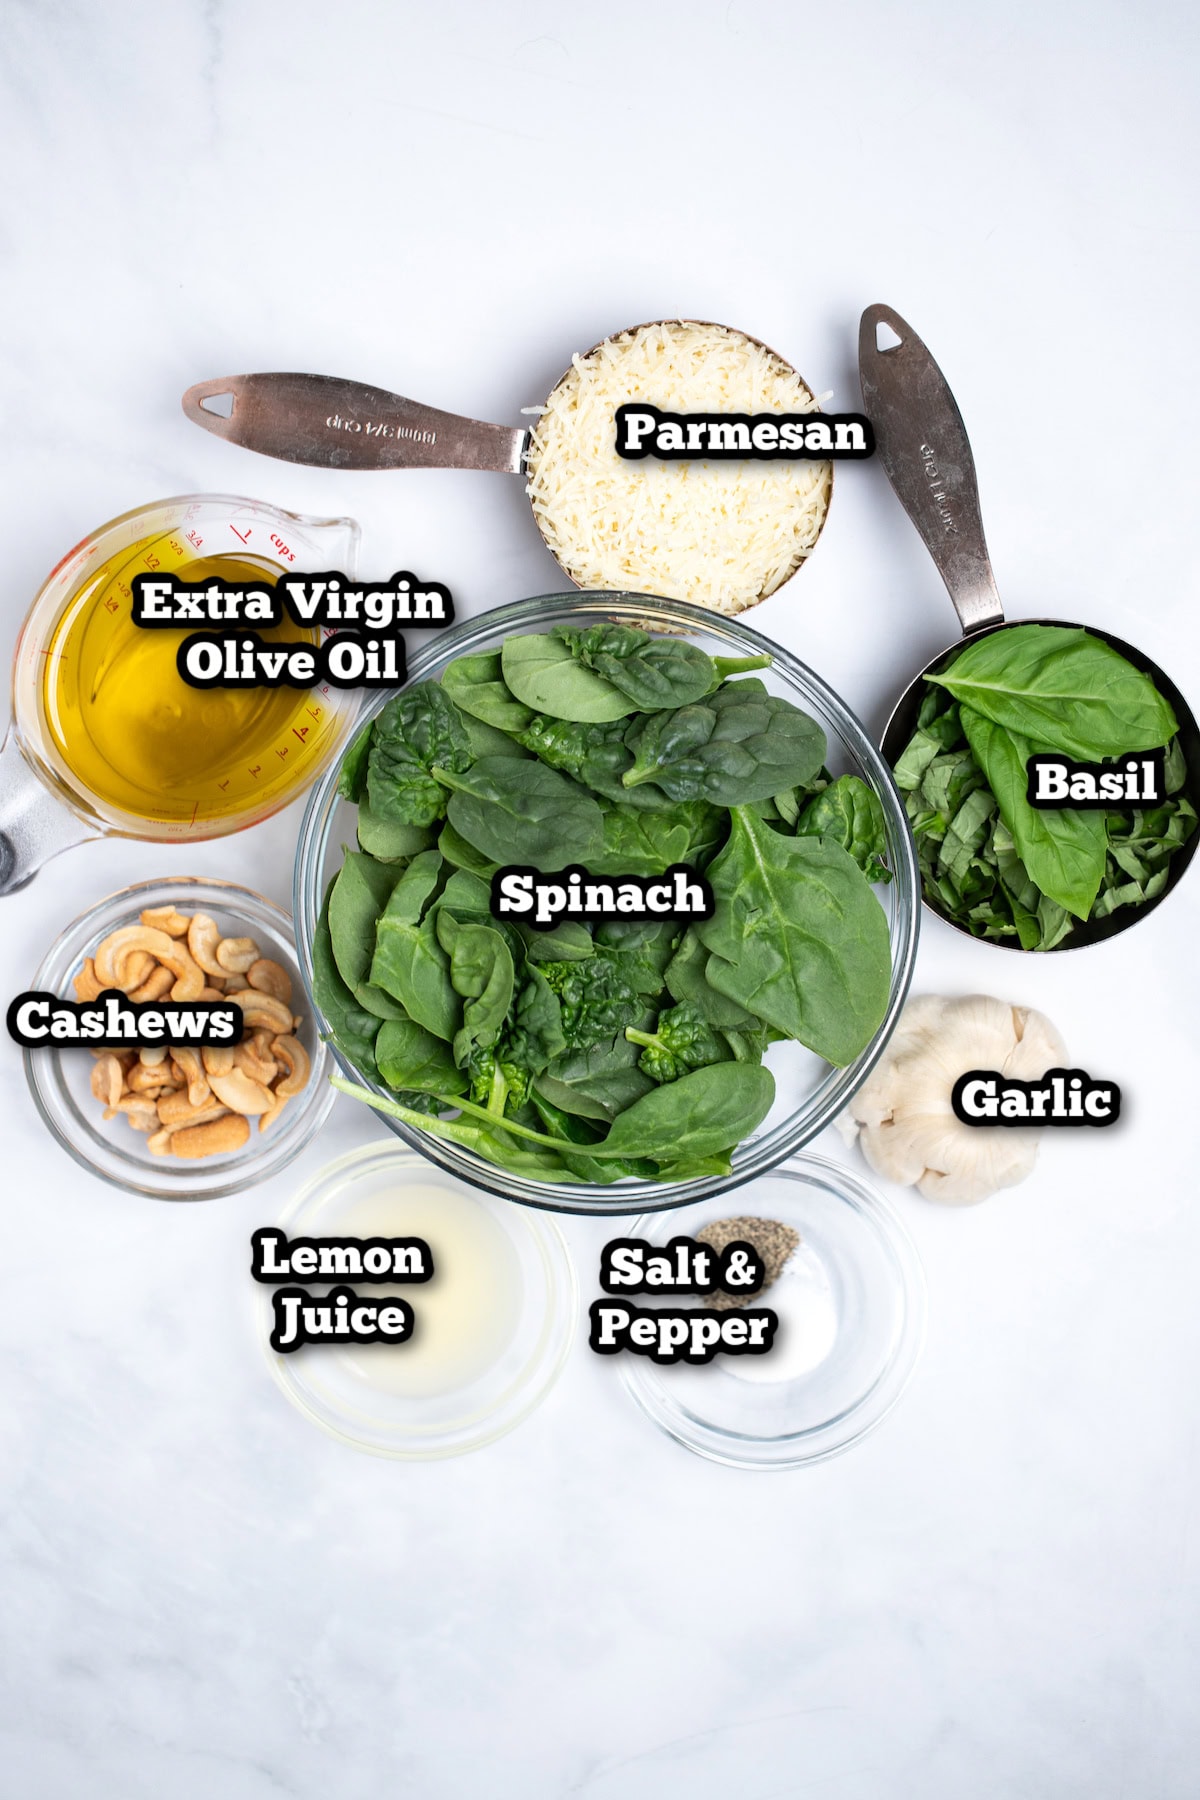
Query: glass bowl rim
column 762, row 1153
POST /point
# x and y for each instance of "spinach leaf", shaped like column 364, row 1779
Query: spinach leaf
column 1061, row 689
column 487, row 1139
column 798, row 938
column 535, row 1036
column 486, row 740
column 476, row 684
column 455, row 848
column 523, row 813
column 409, row 962
column 655, row 672
column 574, row 1130
column 410, row 1057
column 596, row 999
column 739, row 745
column 568, row 941
column 594, row 754
column 702, row 1113
column 352, row 776
column 419, row 728
column 541, row 672
column 597, row 1082
column 352, row 1029
column 390, row 840
column 1064, row 850
column 681, row 1040
column 481, row 970
column 644, row 843
column 358, row 896
column 849, row 812
column 687, row 979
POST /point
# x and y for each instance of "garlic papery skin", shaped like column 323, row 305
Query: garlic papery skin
column 902, row 1116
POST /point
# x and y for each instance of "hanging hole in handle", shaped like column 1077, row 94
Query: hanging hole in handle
column 219, row 404
column 885, row 338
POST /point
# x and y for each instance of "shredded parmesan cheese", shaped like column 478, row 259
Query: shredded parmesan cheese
column 721, row 534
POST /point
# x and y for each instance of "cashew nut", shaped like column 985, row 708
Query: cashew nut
column 133, row 969
column 236, row 955
column 211, row 993
column 291, row 1051
column 85, row 984
column 203, row 936
column 217, row 1058
column 165, row 918
column 222, row 1135
column 141, row 1080
column 160, row 1143
column 240, row 1093
column 108, row 1083
column 140, row 1111
column 156, row 986
column 169, row 951
column 262, row 1009
column 253, row 1055
column 177, row 1109
column 188, row 1060
column 151, row 1056
column 270, row 978
column 269, row 1118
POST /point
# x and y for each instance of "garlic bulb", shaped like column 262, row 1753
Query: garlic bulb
column 902, row 1117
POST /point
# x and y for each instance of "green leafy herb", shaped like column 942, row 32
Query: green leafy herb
column 849, row 813
column 798, row 938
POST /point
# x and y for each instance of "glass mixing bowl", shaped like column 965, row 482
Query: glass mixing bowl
column 809, row 1091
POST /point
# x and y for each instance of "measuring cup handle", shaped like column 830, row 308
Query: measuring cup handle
column 922, row 443
column 335, row 424
column 34, row 826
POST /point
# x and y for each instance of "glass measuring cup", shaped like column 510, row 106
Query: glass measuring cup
column 46, row 804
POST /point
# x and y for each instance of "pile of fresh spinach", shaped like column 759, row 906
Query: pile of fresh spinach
column 617, row 1048
column 989, row 860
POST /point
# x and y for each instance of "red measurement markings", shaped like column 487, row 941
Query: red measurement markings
column 151, row 561
column 300, row 731
column 282, row 753
column 315, row 712
column 222, row 785
column 256, row 770
column 195, row 810
column 244, row 536
column 111, row 605
column 194, row 538
column 176, row 547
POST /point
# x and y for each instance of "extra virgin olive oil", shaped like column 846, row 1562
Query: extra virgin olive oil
column 139, row 739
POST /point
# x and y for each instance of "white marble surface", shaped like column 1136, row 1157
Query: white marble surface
column 996, row 1595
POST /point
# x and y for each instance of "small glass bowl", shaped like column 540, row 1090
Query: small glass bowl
column 326, row 1383
column 60, row 1079
column 856, row 1269
column 809, row 1092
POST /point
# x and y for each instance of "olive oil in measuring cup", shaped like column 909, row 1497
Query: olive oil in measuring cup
column 132, row 730
column 106, row 735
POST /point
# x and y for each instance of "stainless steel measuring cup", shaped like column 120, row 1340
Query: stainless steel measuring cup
column 922, row 443
column 45, row 806
column 333, row 423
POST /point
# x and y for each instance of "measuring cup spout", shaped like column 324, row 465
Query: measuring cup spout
column 34, row 826
column 922, row 443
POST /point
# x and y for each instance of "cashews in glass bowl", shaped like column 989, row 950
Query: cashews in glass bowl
column 206, row 1121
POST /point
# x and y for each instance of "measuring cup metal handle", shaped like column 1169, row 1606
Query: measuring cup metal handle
column 922, row 443
column 34, row 826
column 337, row 424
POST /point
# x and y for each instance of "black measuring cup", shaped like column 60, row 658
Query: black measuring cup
column 922, row 443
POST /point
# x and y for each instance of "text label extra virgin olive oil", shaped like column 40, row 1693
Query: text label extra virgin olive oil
column 139, row 739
